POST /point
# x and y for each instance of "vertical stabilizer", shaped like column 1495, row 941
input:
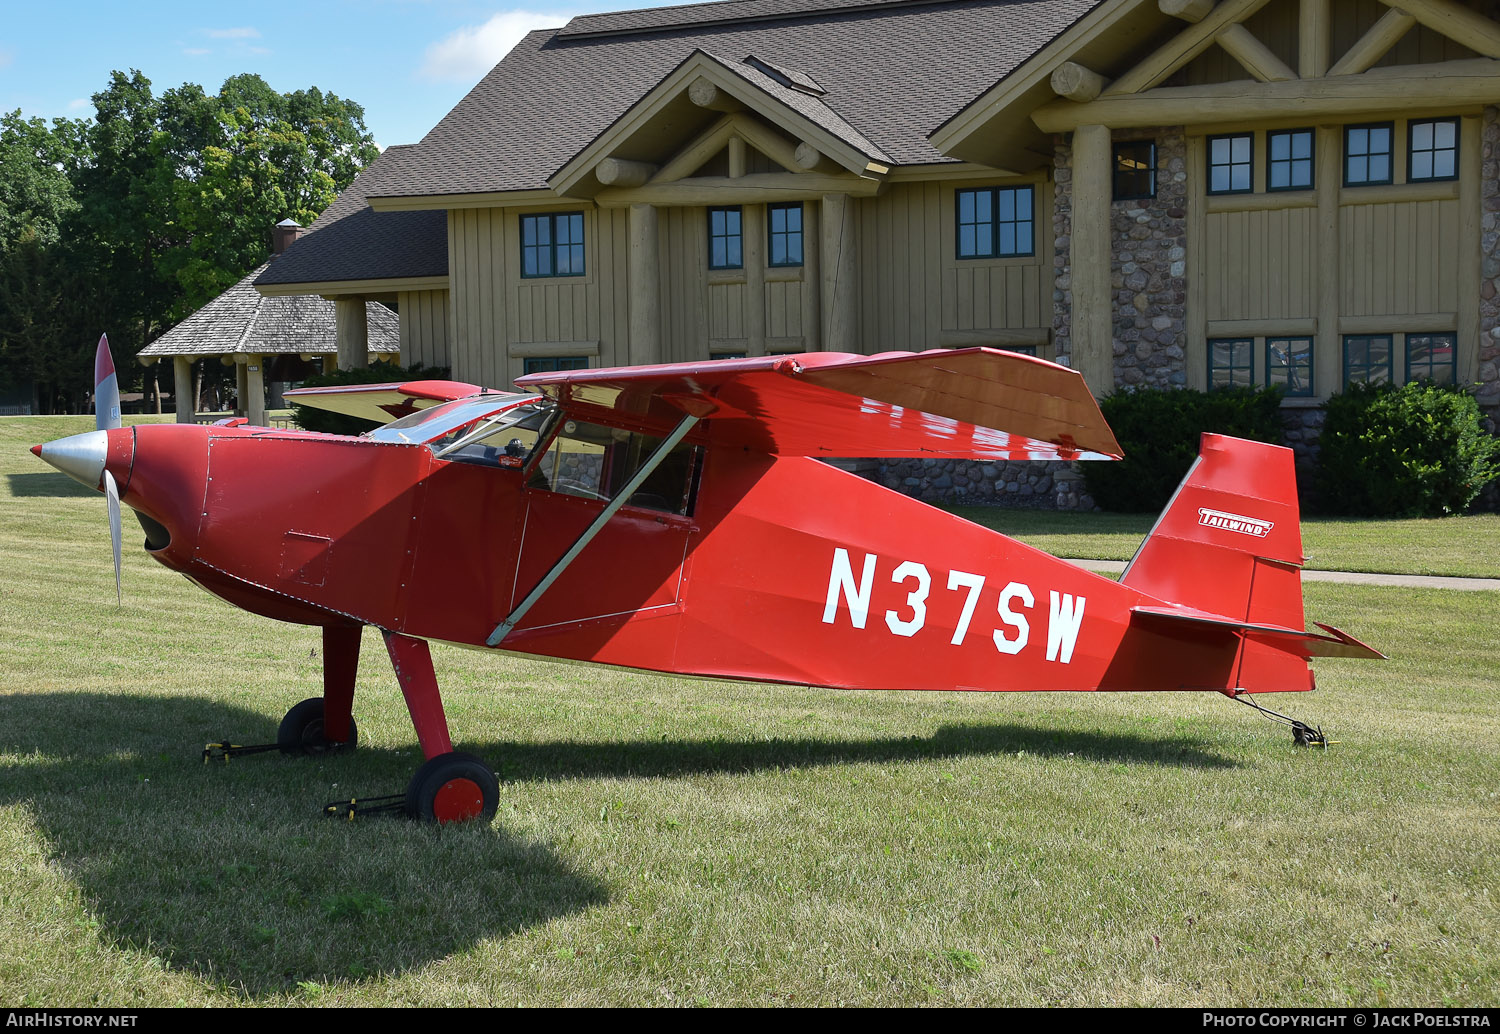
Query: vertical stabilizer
column 1230, row 544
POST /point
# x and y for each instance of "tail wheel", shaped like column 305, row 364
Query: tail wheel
column 301, row 731
column 453, row 788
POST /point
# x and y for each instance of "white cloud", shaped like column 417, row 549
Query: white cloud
column 241, row 33
column 196, row 51
column 80, row 103
column 472, row 51
column 6, row 57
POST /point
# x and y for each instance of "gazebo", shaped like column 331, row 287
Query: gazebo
column 249, row 331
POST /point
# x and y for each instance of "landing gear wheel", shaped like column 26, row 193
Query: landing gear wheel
column 301, row 731
column 453, row 788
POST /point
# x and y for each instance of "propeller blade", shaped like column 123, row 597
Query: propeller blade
column 112, row 493
column 106, row 388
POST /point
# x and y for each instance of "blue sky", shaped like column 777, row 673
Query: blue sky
column 407, row 61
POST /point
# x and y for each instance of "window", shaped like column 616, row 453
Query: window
column 784, row 223
column 1367, row 359
column 1135, row 170
column 596, row 462
column 1432, row 357
column 724, row 241
column 994, row 222
column 552, row 244
column 1367, row 154
column 1231, row 362
column 1289, row 365
column 1229, row 164
column 552, row 364
column 1291, row 161
column 1433, row 153
column 730, row 355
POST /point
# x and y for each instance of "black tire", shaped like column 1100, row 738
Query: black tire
column 301, row 731
column 453, row 788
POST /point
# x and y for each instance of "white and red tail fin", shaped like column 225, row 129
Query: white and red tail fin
column 1228, row 550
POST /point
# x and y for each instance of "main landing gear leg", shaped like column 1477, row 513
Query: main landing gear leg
column 449, row 787
column 317, row 725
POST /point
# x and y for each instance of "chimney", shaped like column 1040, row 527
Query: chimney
column 282, row 235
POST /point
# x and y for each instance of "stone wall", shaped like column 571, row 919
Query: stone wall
column 1148, row 271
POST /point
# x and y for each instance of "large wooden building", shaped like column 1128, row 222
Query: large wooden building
column 1161, row 192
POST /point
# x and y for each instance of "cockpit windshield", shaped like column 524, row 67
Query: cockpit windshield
column 430, row 426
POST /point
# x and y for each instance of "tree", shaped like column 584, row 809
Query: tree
column 131, row 220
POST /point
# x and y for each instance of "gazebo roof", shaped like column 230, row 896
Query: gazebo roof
column 242, row 321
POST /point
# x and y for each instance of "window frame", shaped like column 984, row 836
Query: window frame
column 552, row 245
column 1411, row 129
column 1390, row 358
column 1292, row 160
column 738, row 236
column 1249, row 163
column 1310, row 389
column 772, row 232
column 1390, row 156
column 1248, row 368
column 995, row 222
column 553, row 363
column 1118, row 148
column 1452, row 364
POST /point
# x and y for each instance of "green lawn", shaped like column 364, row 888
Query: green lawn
column 672, row 842
column 1462, row 546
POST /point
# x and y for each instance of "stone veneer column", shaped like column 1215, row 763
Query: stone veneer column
column 1148, row 272
column 182, row 389
column 645, row 286
column 1092, row 338
column 352, row 333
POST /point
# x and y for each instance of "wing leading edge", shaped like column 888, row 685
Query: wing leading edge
column 970, row 403
column 382, row 402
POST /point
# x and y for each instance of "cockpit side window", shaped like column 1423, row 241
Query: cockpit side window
column 596, row 462
column 503, row 440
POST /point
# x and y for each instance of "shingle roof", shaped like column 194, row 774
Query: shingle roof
column 350, row 241
column 893, row 71
column 243, row 321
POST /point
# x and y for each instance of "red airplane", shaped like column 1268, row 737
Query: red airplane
column 677, row 519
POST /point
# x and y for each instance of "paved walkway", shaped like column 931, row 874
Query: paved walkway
column 1406, row 581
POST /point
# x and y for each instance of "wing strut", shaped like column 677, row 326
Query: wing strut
column 631, row 487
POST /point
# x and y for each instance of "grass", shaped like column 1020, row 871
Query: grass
column 1458, row 546
column 671, row 842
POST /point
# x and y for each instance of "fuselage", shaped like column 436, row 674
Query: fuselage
column 748, row 566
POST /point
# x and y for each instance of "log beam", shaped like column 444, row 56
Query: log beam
column 1076, row 83
column 1458, row 23
column 1093, row 313
column 707, row 94
column 1374, row 44
column 1187, row 10
column 620, row 172
column 1182, row 48
column 1314, row 36
column 352, row 333
column 1257, row 58
column 1452, row 84
column 182, row 389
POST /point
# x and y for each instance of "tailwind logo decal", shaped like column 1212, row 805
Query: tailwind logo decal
column 1251, row 526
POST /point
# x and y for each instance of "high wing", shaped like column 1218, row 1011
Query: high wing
column 382, row 402
column 972, row 403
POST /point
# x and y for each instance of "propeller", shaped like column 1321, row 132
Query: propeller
column 107, row 418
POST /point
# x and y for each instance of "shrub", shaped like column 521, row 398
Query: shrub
column 1414, row 451
column 378, row 372
column 1159, row 430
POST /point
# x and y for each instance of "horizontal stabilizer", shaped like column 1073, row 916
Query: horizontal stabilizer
column 382, row 403
column 1305, row 644
column 973, row 403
